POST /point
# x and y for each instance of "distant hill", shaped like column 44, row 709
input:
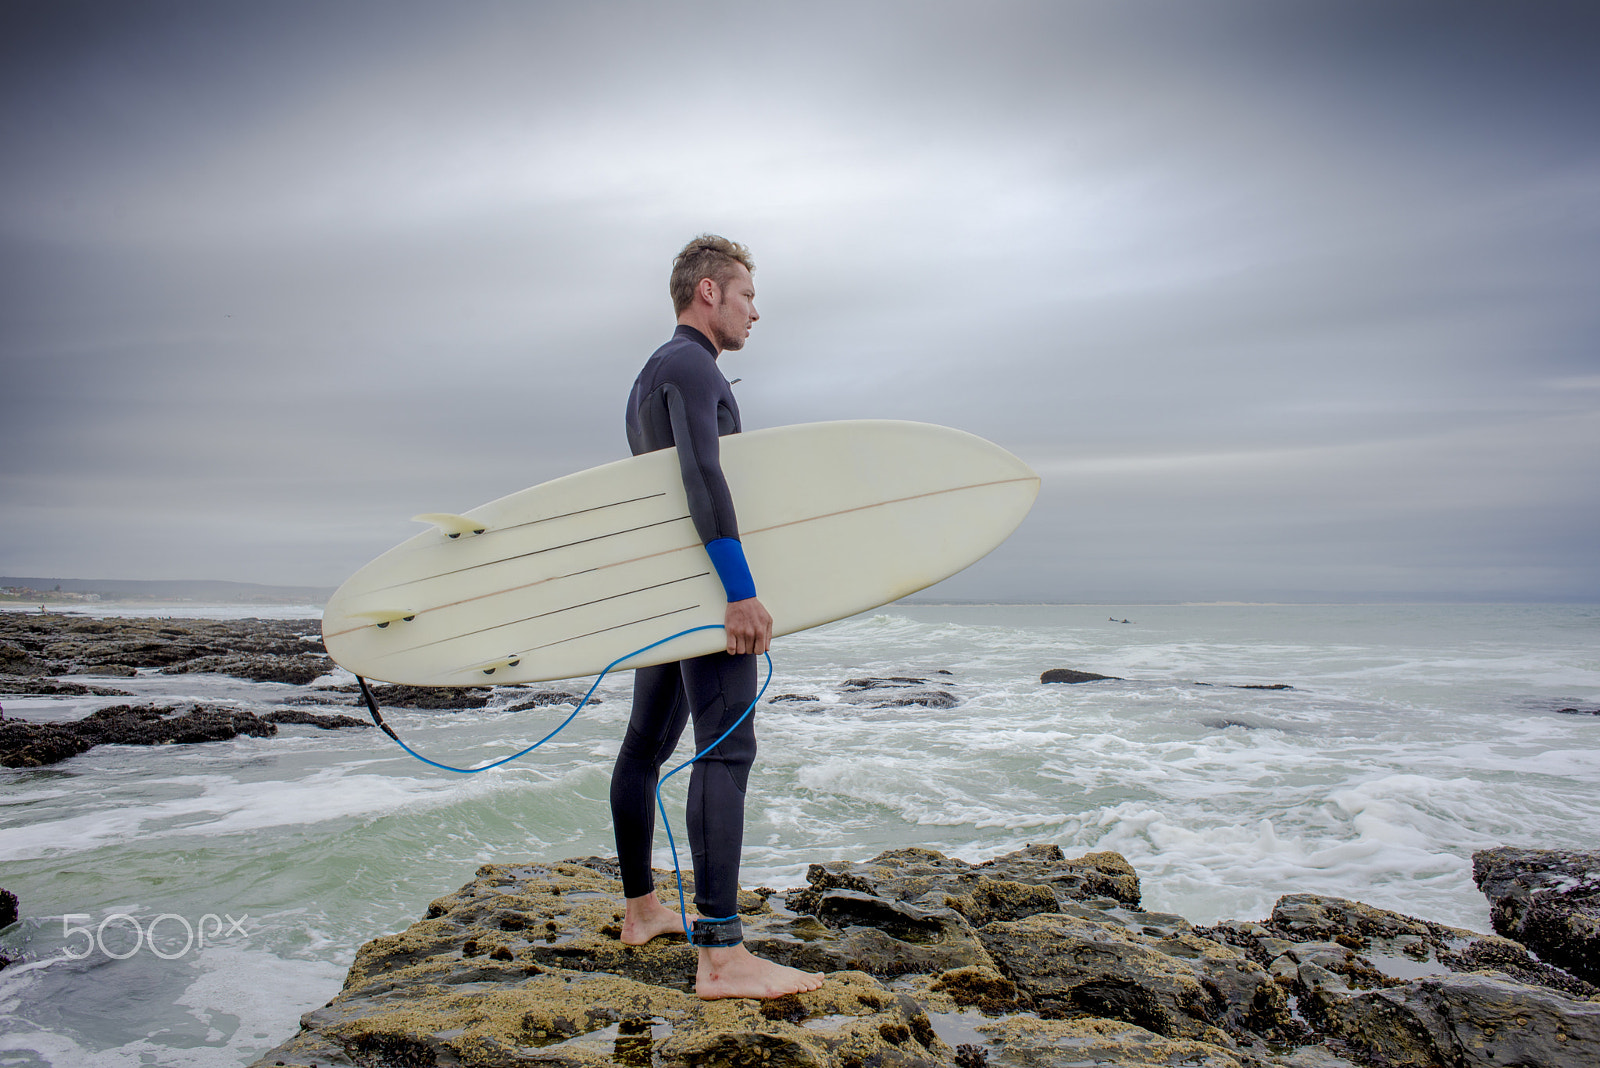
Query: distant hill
column 204, row 591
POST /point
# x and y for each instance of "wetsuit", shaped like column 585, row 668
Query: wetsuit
column 681, row 398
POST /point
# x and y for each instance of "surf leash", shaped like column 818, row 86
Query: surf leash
column 377, row 718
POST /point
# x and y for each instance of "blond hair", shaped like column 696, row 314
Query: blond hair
column 707, row 256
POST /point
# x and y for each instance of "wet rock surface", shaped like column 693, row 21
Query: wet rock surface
column 1031, row 959
column 1073, row 676
column 34, row 687
column 1547, row 899
column 32, row 745
column 9, row 910
column 432, row 697
column 252, row 648
column 294, row 670
column 880, row 691
column 313, row 719
column 34, row 649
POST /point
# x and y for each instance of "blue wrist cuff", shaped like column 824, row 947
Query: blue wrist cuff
column 727, row 556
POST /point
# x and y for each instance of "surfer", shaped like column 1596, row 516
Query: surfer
column 681, row 399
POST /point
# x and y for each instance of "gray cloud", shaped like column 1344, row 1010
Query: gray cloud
column 1282, row 301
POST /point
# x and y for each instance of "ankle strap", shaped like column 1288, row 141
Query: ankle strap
column 715, row 934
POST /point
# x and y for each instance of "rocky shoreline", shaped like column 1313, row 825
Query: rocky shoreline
column 1032, row 959
column 40, row 654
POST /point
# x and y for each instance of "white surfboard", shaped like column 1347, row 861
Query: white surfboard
column 560, row 580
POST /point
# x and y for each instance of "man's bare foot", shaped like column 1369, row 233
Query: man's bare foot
column 735, row 972
column 646, row 918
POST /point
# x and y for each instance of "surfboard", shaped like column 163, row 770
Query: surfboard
column 560, row 580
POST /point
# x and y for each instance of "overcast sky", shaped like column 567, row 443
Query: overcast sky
column 1281, row 300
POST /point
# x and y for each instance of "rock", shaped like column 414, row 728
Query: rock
column 53, row 688
column 33, row 745
column 1579, row 711
column 1068, row 675
column 1548, row 900
column 311, row 719
column 523, row 966
column 432, row 697
column 8, row 916
column 30, row 745
column 62, row 644
column 895, row 691
column 120, row 671
column 1182, row 986
column 974, row 889
column 1466, row 1020
column 15, row 660
column 1371, row 948
column 879, row 683
column 296, row 670
column 1025, row 1042
column 545, row 698
column 905, row 699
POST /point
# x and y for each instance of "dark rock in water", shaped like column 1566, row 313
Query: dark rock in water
column 792, row 698
column 159, row 725
column 8, row 916
column 15, row 660
column 906, row 699
column 54, row 688
column 313, row 720
column 1265, row 686
column 31, row 745
column 1071, row 676
column 1548, row 900
column 445, row 697
column 545, row 698
column 1579, row 711
column 121, row 671
column 297, row 670
column 523, row 966
column 878, row 683
column 64, row 644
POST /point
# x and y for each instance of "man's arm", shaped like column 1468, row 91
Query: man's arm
column 692, row 409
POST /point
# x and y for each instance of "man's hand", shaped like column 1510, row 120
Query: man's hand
column 749, row 627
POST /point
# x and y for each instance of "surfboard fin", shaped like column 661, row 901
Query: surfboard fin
column 489, row 667
column 453, row 526
column 382, row 617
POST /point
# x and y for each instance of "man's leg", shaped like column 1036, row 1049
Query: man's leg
column 719, row 688
column 659, row 715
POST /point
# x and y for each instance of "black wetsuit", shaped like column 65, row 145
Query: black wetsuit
column 681, row 398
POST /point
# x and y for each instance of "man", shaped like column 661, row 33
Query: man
column 681, row 399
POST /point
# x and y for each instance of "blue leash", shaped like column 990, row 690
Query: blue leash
column 377, row 717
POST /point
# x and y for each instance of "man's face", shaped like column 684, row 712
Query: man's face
column 735, row 311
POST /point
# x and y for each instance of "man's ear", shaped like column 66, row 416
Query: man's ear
column 707, row 289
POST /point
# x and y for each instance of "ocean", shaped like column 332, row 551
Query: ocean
column 1407, row 738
